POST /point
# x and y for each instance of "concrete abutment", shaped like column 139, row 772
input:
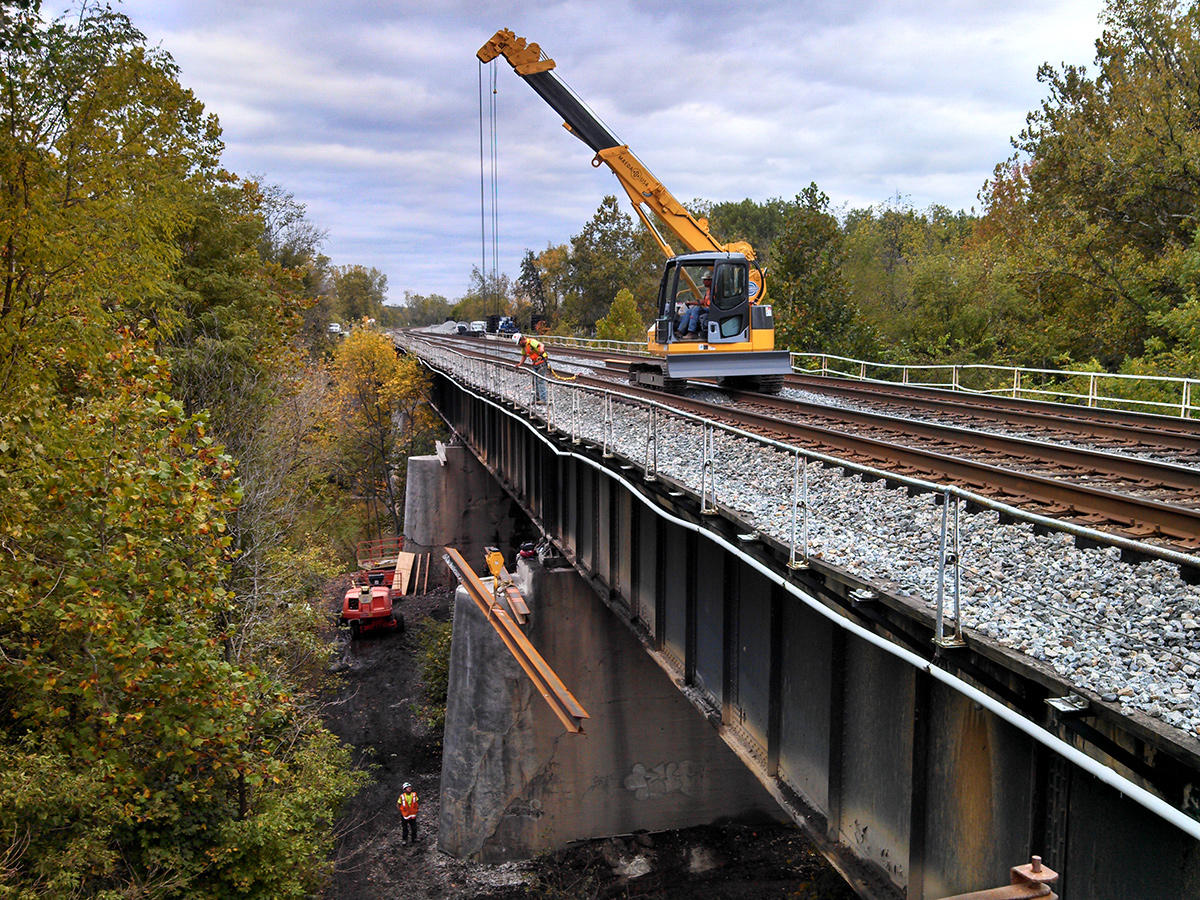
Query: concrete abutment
column 515, row 784
column 455, row 503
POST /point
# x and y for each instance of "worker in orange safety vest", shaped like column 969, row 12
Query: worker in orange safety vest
column 535, row 351
column 407, row 804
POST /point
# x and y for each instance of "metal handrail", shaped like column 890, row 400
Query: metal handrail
column 1013, row 381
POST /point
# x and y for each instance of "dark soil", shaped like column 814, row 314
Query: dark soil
column 375, row 712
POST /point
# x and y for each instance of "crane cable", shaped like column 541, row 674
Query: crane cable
column 488, row 190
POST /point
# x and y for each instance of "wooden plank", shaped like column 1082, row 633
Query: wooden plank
column 404, row 564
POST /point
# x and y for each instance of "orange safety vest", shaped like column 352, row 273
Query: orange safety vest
column 536, row 351
column 408, row 805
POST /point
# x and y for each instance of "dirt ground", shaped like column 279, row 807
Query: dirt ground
column 380, row 684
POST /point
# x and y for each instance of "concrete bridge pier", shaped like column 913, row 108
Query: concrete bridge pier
column 451, row 500
column 515, row 784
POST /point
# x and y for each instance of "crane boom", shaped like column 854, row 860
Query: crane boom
column 710, row 318
column 647, row 193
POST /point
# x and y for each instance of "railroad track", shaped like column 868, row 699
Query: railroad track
column 1148, row 499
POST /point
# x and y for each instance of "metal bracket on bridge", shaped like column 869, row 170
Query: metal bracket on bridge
column 1027, row 882
column 560, row 700
column 1070, row 705
column 503, row 585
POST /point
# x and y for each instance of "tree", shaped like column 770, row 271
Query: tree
column 553, row 265
column 382, row 417
column 102, row 149
column 529, row 285
column 813, row 309
column 601, row 262
column 288, row 237
column 1113, row 181
column 487, row 295
column 135, row 751
column 417, row 309
column 758, row 224
column 158, row 738
column 358, row 293
column 622, row 322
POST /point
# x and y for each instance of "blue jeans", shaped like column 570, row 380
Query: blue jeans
column 689, row 322
column 539, row 384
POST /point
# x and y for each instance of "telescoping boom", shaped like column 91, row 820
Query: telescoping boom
column 735, row 337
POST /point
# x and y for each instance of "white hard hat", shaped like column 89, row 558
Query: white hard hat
column 406, row 786
column 517, row 337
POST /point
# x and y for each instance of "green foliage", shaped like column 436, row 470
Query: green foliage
column 101, row 154
column 382, row 417
column 488, row 295
column 120, row 687
column 433, row 639
column 358, row 293
column 162, row 658
column 417, row 309
column 1114, row 182
column 608, row 255
column 622, row 322
column 758, row 224
column 813, row 310
column 529, row 290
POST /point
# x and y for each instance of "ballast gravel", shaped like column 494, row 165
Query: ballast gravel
column 1130, row 633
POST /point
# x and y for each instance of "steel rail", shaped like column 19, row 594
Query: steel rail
column 1084, row 423
column 1177, row 523
column 1122, row 785
column 1136, row 518
column 1154, row 471
column 1183, row 434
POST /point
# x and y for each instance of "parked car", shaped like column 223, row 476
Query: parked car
column 463, row 328
column 479, row 328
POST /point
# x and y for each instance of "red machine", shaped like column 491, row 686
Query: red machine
column 369, row 604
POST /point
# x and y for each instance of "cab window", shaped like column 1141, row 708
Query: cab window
column 729, row 287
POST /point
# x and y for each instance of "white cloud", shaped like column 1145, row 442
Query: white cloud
column 367, row 111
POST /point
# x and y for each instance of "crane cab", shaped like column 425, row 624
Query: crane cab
column 735, row 341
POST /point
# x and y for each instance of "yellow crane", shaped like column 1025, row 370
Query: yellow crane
column 737, row 341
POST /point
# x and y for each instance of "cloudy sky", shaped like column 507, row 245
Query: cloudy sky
column 368, row 110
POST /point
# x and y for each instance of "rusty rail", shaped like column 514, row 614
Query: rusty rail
column 560, row 700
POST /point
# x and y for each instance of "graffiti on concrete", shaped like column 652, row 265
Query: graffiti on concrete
column 665, row 778
column 530, row 810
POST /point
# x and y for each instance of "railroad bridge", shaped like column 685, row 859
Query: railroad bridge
column 922, row 753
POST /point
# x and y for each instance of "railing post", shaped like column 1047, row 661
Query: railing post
column 954, row 378
column 1185, row 408
column 904, row 374
column 576, row 437
column 799, row 512
column 1091, row 390
column 650, row 465
column 948, row 556
column 607, row 428
column 708, row 472
column 1016, row 390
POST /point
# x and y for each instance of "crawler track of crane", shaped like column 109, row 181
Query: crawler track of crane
column 1148, row 499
